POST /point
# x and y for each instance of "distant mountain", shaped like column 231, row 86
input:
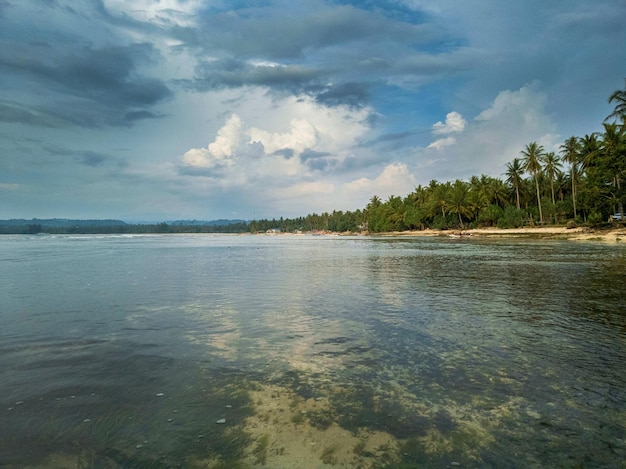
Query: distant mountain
column 66, row 225
column 220, row 222
column 60, row 222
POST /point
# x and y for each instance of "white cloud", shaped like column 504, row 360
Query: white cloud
column 442, row 142
column 220, row 152
column 454, row 123
column 302, row 135
column 305, row 189
column 227, row 138
column 257, row 154
column 494, row 137
column 284, row 129
column 395, row 179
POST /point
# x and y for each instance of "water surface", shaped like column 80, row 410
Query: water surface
column 126, row 351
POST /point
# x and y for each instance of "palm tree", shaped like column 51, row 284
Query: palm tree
column 619, row 96
column 589, row 151
column 551, row 168
column 571, row 154
column 459, row 200
column 532, row 156
column 478, row 189
column 514, row 171
column 613, row 147
column 498, row 192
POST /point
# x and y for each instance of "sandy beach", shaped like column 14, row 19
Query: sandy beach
column 603, row 234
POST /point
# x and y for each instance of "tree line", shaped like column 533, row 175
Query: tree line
column 581, row 183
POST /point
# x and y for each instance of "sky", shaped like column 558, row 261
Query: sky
column 156, row 110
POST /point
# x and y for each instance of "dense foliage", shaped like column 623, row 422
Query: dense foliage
column 583, row 183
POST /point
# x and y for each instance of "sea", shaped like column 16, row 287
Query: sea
column 244, row 351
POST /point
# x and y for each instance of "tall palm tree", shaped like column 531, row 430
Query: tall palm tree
column 480, row 198
column 571, row 154
column 589, row 151
column 459, row 200
column 551, row 168
column 619, row 96
column 498, row 192
column 514, row 172
column 532, row 156
column 613, row 147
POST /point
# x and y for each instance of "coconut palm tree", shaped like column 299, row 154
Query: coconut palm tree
column 619, row 113
column 551, row 168
column 613, row 147
column 459, row 200
column 571, row 154
column 514, row 172
column 531, row 161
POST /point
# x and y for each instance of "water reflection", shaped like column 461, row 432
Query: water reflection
column 309, row 351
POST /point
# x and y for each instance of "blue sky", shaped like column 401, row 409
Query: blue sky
column 170, row 109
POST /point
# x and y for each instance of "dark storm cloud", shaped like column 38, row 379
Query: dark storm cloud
column 293, row 79
column 96, row 159
column 87, row 158
column 301, row 29
column 352, row 94
column 102, row 81
column 17, row 114
column 328, row 51
column 234, row 73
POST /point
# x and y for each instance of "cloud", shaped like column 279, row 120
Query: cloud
column 220, row 152
column 294, row 136
column 60, row 77
column 493, row 138
column 395, row 179
column 180, row 13
column 302, row 135
column 280, row 152
column 442, row 142
column 305, row 189
column 454, row 123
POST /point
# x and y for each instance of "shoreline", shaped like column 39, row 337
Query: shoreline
column 603, row 234
column 609, row 234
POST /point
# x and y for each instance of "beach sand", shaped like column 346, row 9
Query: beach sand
column 603, row 234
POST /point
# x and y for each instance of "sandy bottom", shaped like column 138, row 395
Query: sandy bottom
column 285, row 437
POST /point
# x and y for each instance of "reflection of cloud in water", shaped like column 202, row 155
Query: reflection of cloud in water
column 218, row 328
column 314, row 344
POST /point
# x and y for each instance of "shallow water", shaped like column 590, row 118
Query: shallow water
column 125, row 351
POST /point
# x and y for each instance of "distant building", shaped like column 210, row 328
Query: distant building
column 273, row 231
